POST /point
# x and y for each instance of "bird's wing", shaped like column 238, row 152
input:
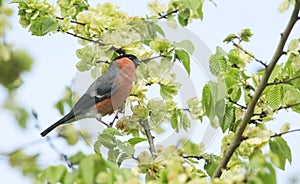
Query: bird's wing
column 100, row 89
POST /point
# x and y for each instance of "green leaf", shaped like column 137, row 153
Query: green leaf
column 195, row 6
column 126, row 147
column 87, row 169
column 282, row 152
column 229, row 118
column 55, row 174
column 70, row 134
column 184, row 121
column 26, row 163
column 16, row 1
column 187, row 45
column 75, row 159
column 264, row 175
column 276, row 74
column 219, row 111
column 121, row 158
column 291, row 95
column 159, row 29
column 104, row 177
column 60, row 106
column 184, row 57
column 168, row 91
column 95, row 72
column 211, row 164
column 273, row 96
column 113, row 154
column 283, row 6
column 263, row 171
column 22, row 116
column 156, row 7
column 206, row 99
column 234, row 57
column 107, row 140
column 230, row 38
column 97, row 146
column 136, row 140
column 183, row 17
column 235, row 93
column 140, row 111
column 199, row 11
column 179, row 120
column 174, row 121
column 245, row 34
column 195, row 108
column 158, row 112
column 217, row 62
column 43, row 25
column 71, row 176
column 160, row 45
column 112, row 131
column 285, row 127
column 231, row 78
column 294, row 47
column 190, row 148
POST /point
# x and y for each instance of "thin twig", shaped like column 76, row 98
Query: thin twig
column 192, row 156
column 31, row 144
column 282, row 133
column 164, row 16
column 259, row 90
column 286, row 107
column 118, row 50
column 284, row 82
column 243, row 107
column 86, row 39
column 146, row 127
column 186, row 109
column 101, row 121
column 50, row 143
column 248, row 53
column 72, row 21
column 154, row 57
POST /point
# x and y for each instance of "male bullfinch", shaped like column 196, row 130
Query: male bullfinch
column 106, row 94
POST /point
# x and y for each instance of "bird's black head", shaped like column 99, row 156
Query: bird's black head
column 135, row 60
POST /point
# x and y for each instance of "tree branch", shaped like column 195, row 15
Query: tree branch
column 192, row 156
column 262, row 85
column 164, row 16
column 154, row 57
column 146, row 127
column 72, row 21
column 237, row 104
column 86, row 39
column 50, row 143
column 284, row 82
column 282, row 133
column 287, row 106
column 248, row 53
column 117, row 50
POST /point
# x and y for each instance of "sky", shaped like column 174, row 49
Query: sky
column 55, row 59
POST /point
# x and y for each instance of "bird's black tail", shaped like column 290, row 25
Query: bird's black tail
column 70, row 117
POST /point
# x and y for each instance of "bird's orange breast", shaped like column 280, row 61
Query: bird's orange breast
column 123, row 82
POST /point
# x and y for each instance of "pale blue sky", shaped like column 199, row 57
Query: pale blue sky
column 55, row 60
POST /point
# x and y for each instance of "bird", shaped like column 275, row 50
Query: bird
column 106, row 94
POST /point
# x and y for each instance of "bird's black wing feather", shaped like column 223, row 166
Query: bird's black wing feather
column 100, row 89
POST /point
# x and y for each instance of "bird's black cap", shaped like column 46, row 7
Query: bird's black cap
column 135, row 60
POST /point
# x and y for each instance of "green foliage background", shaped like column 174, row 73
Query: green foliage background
column 98, row 29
